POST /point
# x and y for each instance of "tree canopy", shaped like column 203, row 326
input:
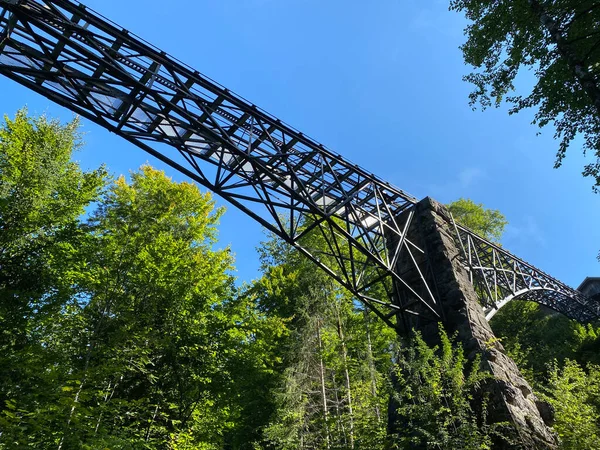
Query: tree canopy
column 489, row 223
column 558, row 41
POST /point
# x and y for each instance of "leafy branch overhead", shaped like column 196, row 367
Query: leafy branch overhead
column 559, row 42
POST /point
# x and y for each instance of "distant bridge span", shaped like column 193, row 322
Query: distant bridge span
column 500, row 277
column 526, row 294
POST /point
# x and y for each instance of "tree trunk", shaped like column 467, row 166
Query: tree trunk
column 75, row 401
column 340, row 423
column 151, row 423
column 346, row 375
column 88, row 356
column 322, row 381
column 371, row 363
column 90, row 348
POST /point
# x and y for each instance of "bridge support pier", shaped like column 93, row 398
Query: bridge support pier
column 510, row 396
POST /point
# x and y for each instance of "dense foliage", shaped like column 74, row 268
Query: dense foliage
column 488, row 223
column 560, row 357
column 122, row 328
column 436, row 395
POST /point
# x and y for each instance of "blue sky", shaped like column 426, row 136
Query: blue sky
column 381, row 85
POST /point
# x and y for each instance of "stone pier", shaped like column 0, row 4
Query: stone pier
column 510, row 396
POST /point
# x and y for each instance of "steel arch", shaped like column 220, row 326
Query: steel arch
column 537, row 294
column 499, row 277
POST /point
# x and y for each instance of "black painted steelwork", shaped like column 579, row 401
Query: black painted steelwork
column 500, row 277
column 291, row 184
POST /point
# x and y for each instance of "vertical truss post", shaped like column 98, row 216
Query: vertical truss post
column 414, row 289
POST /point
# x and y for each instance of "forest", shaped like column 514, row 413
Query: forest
column 122, row 327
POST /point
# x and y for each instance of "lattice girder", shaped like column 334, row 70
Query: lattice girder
column 500, row 277
column 289, row 183
column 84, row 62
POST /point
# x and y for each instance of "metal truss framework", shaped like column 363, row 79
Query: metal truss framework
column 339, row 215
column 499, row 277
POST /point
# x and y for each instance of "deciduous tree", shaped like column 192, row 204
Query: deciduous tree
column 42, row 196
column 488, row 223
column 556, row 40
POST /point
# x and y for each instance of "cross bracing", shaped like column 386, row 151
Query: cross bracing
column 345, row 219
column 500, row 277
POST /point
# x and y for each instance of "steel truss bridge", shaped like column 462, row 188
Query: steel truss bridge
column 342, row 217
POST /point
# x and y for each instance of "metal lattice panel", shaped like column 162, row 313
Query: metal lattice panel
column 499, row 277
column 291, row 184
